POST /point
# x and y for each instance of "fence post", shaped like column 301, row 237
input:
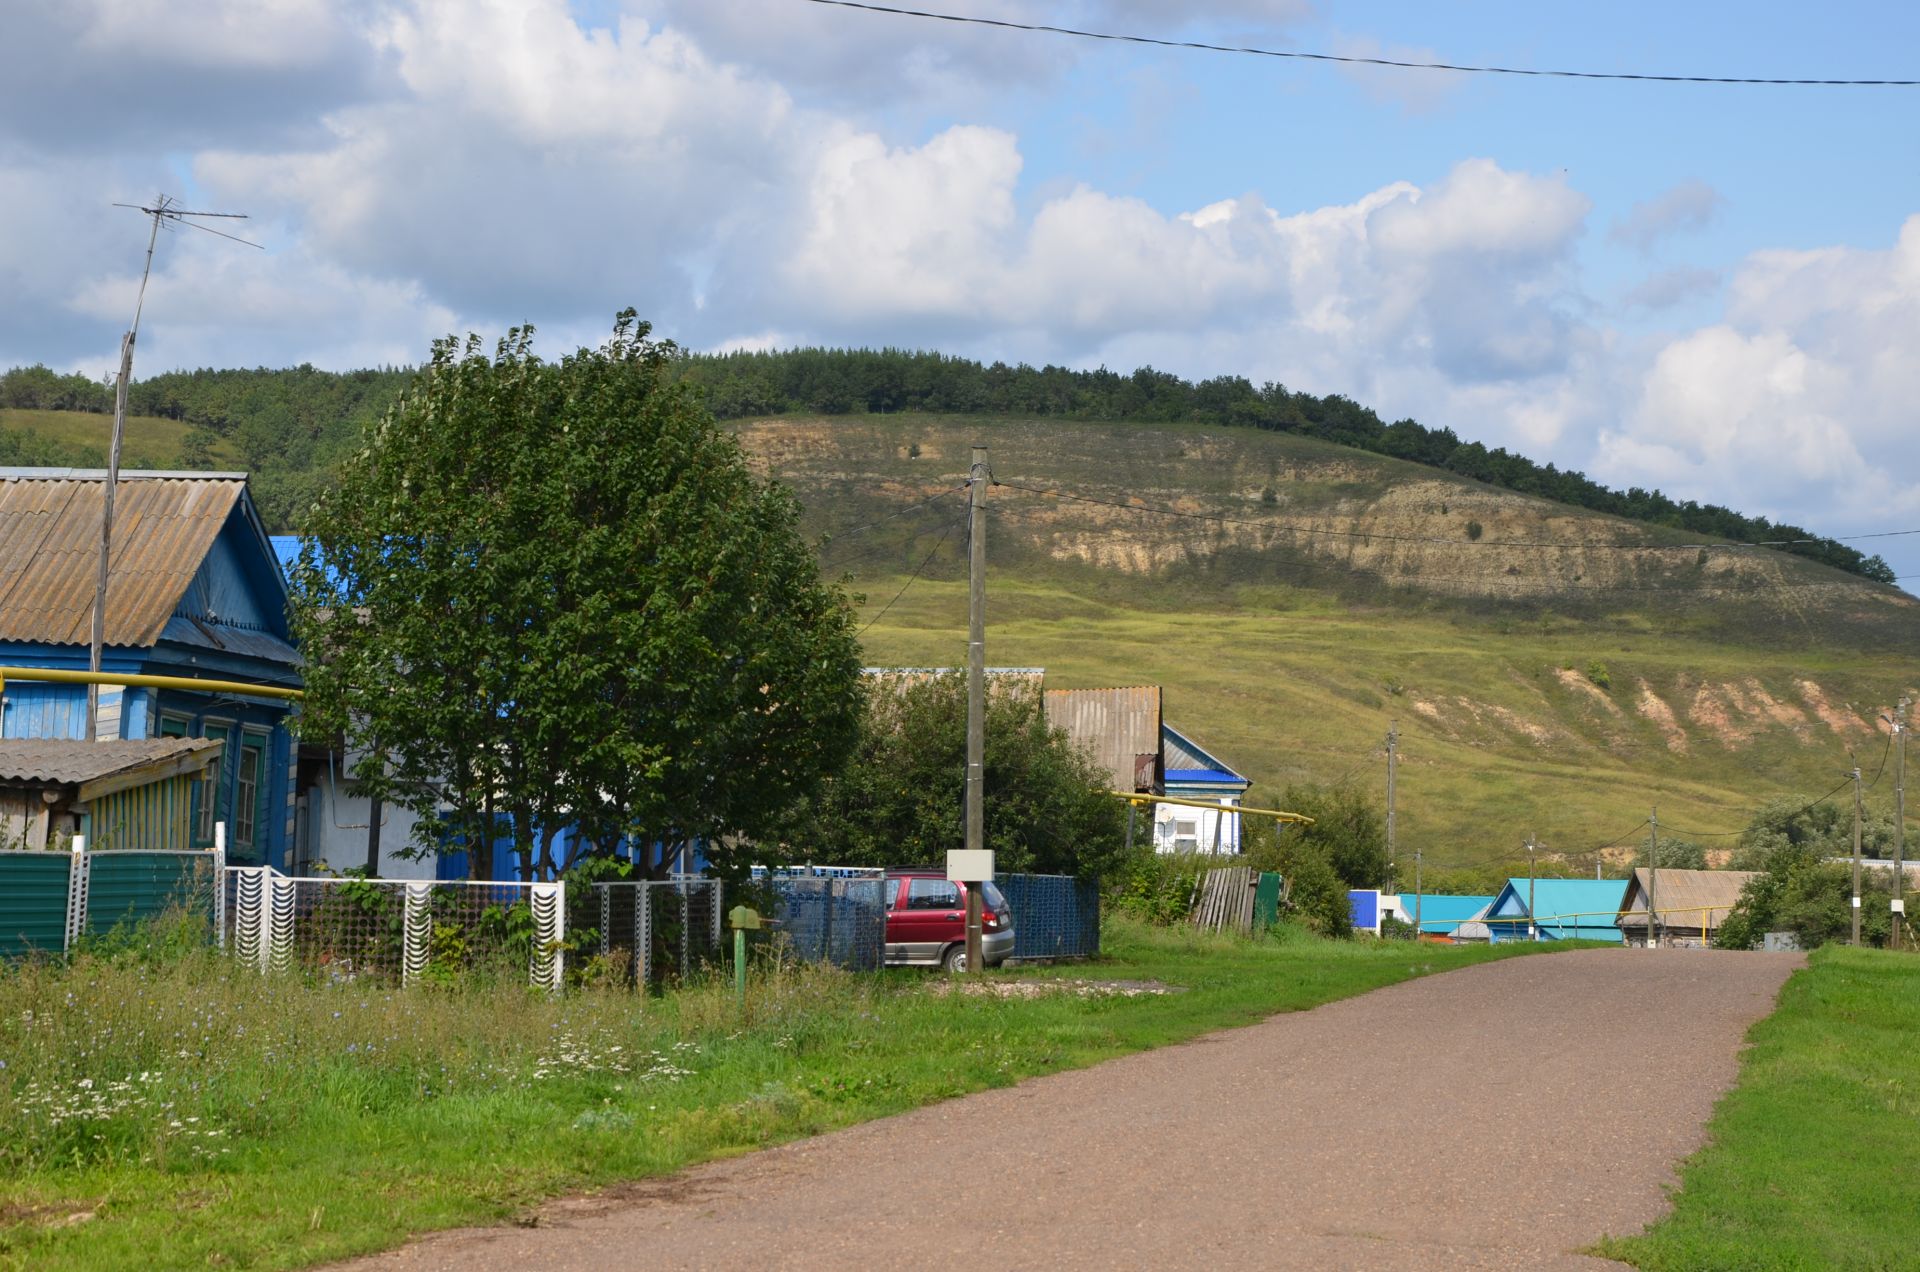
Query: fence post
column 549, row 904
column 713, row 891
column 79, row 875
column 643, row 932
column 416, row 930
column 220, row 885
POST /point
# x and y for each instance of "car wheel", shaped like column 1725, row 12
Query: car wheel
column 955, row 959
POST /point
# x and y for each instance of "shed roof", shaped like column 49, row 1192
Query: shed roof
column 1119, row 728
column 1685, row 897
column 164, row 525
column 1187, row 760
column 101, row 767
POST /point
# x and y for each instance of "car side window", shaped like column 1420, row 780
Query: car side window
column 932, row 894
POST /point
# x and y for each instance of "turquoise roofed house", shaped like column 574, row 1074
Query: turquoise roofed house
column 1442, row 912
column 1563, row 910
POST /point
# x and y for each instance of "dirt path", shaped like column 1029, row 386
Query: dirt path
column 1498, row 1117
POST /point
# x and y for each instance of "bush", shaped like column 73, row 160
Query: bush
column 1474, row 530
column 1598, row 675
column 1157, row 887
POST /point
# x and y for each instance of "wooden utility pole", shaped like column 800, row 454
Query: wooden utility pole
column 163, row 209
column 1393, row 746
column 1533, row 922
column 1653, row 878
column 1900, row 819
column 1856, row 855
column 976, row 837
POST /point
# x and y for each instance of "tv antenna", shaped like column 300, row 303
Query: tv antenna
column 164, row 210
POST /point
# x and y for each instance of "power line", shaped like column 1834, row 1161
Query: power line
column 898, row 512
column 1395, row 63
column 1386, row 537
column 876, row 549
column 911, row 580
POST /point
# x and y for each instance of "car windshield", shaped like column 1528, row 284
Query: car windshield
column 991, row 894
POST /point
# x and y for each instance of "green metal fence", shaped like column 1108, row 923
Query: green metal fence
column 49, row 900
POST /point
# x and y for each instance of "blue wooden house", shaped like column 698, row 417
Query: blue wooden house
column 193, row 590
column 1563, row 909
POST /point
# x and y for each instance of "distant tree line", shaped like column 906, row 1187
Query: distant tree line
column 292, row 427
column 877, row 381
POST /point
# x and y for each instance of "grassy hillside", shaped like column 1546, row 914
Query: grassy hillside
column 151, row 442
column 1560, row 691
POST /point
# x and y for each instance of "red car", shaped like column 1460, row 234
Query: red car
column 927, row 921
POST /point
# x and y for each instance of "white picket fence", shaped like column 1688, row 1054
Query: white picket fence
column 397, row 928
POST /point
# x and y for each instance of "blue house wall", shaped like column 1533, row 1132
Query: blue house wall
column 229, row 624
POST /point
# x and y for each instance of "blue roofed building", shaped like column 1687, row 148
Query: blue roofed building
column 194, row 590
column 1563, row 910
column 1442, row 912
column 1190, row 771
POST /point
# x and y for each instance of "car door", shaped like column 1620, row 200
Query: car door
column 931, row 917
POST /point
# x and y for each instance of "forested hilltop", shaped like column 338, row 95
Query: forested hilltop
column 288, row 427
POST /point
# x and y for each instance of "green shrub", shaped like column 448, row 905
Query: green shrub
column 1598, row 674
column 1157, row 887
column 1474, row 530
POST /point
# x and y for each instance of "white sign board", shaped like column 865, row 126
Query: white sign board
column 964, row 866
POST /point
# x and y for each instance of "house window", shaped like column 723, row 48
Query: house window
column 1186, row 833
column 208, row 792
column 250, row 792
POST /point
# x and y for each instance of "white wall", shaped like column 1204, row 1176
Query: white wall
column 336, row 834
column 1171, row 823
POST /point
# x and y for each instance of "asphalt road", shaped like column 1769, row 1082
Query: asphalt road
column 1503, row 1116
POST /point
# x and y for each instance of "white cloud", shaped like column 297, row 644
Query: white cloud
column 1671, row 287
column 1689, row 206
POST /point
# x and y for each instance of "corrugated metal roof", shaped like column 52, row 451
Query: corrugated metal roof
column 65, row 762
column 50, row 551
column 1120, row 728
column 1443, row 911
column 1182, row 751
column 1685, row 897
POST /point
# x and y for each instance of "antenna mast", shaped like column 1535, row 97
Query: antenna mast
column 162, row 209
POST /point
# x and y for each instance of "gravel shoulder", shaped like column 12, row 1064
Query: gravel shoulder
column 1505, row 1115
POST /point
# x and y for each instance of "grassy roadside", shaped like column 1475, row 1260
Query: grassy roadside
column 1811, row 1157
column 255, row 1123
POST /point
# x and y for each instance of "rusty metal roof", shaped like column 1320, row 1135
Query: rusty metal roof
column 1119, row 728
column 64, row 762
column 1687, row 898
column 163, row 526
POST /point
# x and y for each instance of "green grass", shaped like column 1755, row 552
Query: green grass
column 1812, row 1156
column 1306, row 695
column 338, row 1119
column 151, row 441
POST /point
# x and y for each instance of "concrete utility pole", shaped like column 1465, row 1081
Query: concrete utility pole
column 976, row 691
column 1900, row 819
column 1653, row 878
column 1856, row 855
column 1533, row 923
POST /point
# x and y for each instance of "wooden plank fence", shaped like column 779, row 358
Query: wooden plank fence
column 1224, row 900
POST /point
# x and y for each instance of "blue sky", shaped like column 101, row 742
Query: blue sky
column 1712, row 289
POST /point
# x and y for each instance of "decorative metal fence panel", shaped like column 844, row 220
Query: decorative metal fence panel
column 1054, row 916
column 664, row 928
column 395, row 929
column 832, row 919
column 33, row 902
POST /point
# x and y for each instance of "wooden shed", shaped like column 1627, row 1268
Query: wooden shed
column 1691, row 904
column 122, row 793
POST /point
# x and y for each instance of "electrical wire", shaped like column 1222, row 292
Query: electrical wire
column 911, row 580
column 835, row 536
column 1396, row 63
column 877, row 549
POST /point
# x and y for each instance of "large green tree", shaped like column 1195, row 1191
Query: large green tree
column 556, row 592
column 900, row 800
